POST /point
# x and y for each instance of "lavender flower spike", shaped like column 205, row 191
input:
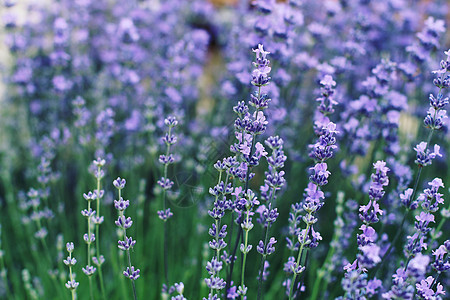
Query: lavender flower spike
column 355, row 281
column 70, row 262
column 321, row 151
column 124, row 224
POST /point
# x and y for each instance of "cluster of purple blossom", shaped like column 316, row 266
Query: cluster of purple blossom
column 126, row 243
column 321, row 151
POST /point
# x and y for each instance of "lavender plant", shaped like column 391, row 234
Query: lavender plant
column 355, row 283
column 86, row 79
column 71, row 284
column 166, row 184
column 89, row 238
column 274, row 181
column 125, row 223
column 321, row 151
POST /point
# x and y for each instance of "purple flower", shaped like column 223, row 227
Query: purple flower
column 406, row 200
column 121, row 204
column 131, row 273
column 126, row 244
column 165, row 183
column 70, row 247
column 89, row 270
column 269, row 249
column 119, row 183
column 165, row 214
column 326, row 99
column 370, row 254
column 214, row 266
column 431, row 198
column 260, row 73
column 320, row 176
column 98, row 261
column 124, row 222
column 215, row 283
column 424, row 156
column 425, row 291
column 355, row 282
column 72, row 284
column 232, row 293
column 373, row 285
column 89, row 239
column 442, row 258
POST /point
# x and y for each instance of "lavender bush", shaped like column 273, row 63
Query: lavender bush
column 273, row 149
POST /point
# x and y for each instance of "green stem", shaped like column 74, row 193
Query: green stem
column 121, row 214
column 132, row 281
column 71, row 277
column 298, row 260
column 264, row 257
column 117, row 269
column 327, row 267
column 97, row 236
column 90, row 288
column 89, row 250
column 165, row 237
column 245, row 253
column 435, row 281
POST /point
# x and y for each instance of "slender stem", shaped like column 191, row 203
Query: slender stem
column 97, row 229
column 264, row 257
column 261, row 281
column 166, row 262
column 165, row 237
column 71, row 277
column 298, row 260
column 90, row 288
column 236, row 243
column 121, row 253
column 327, row 267
column 89, row 250
column 121, row 214
column 435, row 280
column 132, row 281
column 117, row 269
column 245, row 252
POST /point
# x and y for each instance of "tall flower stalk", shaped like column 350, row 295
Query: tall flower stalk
column 218, row 231
column 165, row 183
column 404, row 278
column 89, row 238
column 70, row 262
column 321, row 151
column 127, row 243
column 434, row 120
column 355, row 283
column 274, row 181
column 98, row 219
column 248, row 153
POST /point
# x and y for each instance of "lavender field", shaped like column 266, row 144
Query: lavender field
column 199, row 149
